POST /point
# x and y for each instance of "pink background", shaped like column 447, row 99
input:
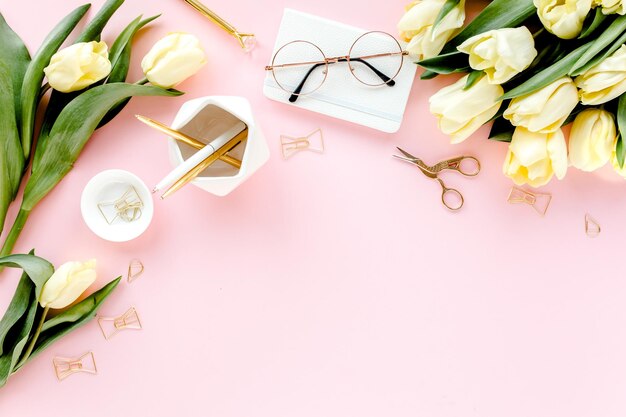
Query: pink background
column 335, row 284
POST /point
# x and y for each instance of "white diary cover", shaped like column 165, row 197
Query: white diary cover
column 342, row 96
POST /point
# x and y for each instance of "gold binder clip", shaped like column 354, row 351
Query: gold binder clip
column 127, row 207
column 313, row 142
column 592, row 228
column 64, row 367
column 135, row 269
column 539, row 201
column 110, row 326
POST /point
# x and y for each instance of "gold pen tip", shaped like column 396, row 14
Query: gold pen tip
column 154, row 190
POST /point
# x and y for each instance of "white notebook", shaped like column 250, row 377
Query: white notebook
column 342, row 96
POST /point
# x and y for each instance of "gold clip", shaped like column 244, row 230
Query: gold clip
column 592, row 228
column 127, row 207
column 64, row 367
column 291, row 145
column 540, row 202
column 128, row 320
column 135, row 269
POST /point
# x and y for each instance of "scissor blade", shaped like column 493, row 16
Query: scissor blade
column 404, row 159
column 408, row 155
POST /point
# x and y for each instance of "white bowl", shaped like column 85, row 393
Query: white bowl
column 108, row 186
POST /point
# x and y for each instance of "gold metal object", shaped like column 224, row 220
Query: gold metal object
column 110, row 326
column 451, row 198
column 592, row 227
column 180, row 136
column 292, row 145
column 64, row 367
column 135, row 269
column 246, row 40
column 539, row 201
column 127, row 207
column 195, row 171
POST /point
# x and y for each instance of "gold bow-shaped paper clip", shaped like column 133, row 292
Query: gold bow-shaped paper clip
column 64, row 367
column 135, row 269
column 127, row 207
column 110, row 326
column 313, row 142
column 539, row 201
column 592, row 227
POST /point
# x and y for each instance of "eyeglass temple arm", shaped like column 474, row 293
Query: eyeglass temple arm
column 383, row 77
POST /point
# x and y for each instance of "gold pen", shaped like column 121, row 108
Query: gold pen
column 246, row 40
column 180, row 136
column 195, row 171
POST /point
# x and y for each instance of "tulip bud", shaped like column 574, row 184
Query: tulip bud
column 604, row 81
column 612, row 6
column 533, row 158
column 173, row 59
column 461, row 112
column 78, row 66
column 501, row 53
column 544, row 110
column 592, row 139
column 564, row 18
column 67, row 284
column 417, row 27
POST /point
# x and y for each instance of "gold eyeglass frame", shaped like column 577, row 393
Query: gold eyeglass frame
column 333, row 60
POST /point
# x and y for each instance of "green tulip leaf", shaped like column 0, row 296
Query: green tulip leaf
column 11, row 155
column 17, row 308
column 595, row 47
column 71, row 319
column 37, row 269
column 16, row 57
column 93, row 30
column 501, row 130
column 447, row 63
column 473, row 78
column 120, row 52
column 19, row 334
column 600, row 57
column 592, row 23
column 34, row 73
column 547, row 76
column 497, row 15
column 620, row 150
column 9, row 135
column 448, row 6
column 428, row 75
column 72, row 130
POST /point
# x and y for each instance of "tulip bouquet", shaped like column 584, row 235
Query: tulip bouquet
column 532, row 67
column 88, row 90
column 27, row 327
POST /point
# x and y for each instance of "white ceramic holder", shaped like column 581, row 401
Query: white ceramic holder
column 206, row 118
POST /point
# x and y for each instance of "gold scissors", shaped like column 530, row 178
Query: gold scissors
column 450, row 197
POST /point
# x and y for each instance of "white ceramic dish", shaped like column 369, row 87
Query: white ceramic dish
column 108, row 186
column 206, row 118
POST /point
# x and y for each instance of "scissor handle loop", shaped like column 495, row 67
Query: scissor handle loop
column 470, row 171
column 451, row 198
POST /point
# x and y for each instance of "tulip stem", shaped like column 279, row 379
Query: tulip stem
column 142, row 81
column 14, row 234
column 31, row 345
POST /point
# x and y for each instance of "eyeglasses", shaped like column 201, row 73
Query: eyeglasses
column 300, row 67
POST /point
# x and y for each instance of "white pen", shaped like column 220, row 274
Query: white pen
column 178, row 172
